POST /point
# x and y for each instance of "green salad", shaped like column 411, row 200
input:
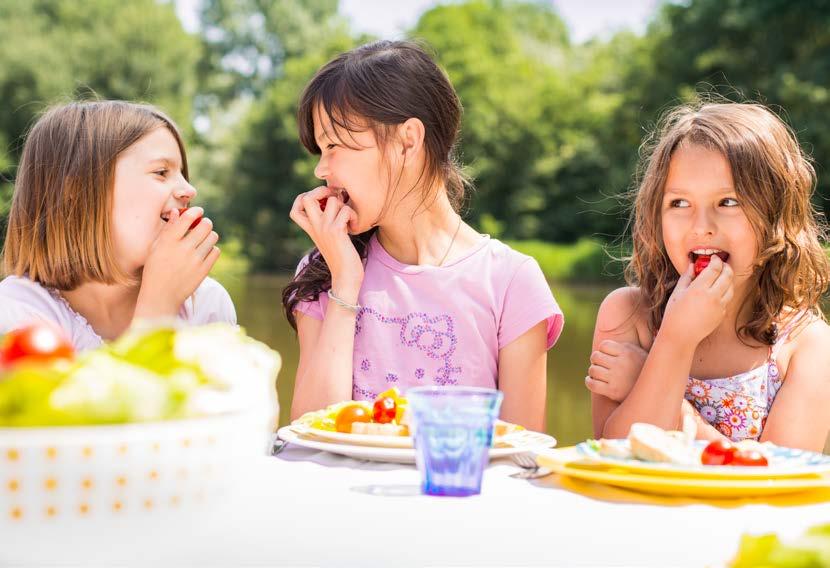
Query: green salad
column 812, row 549
column 152, row 373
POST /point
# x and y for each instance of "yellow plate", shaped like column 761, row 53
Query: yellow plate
column 566, row 461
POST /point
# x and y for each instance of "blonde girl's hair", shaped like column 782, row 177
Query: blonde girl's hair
column 774, row 181
column 60, row 225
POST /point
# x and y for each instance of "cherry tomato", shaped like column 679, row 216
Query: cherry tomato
column 194, row 223
column 35, row 342
column 750, row 457
column 719, row 452
column 385, row 410
column 701, row 262
column 348, row 415
column 323, row 203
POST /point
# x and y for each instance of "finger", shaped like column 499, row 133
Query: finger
column 345, row 215
column 311, row 201
column 686, row 278
column 298, row 214
column 596, row 387
column 198, row 233
column 206, row 245
column 711, row 272
column 211, row 259
column 611, row 347
column 728, row 295
column 602, row 359
column 333, row 207
column 182, row 224
column 599, row 373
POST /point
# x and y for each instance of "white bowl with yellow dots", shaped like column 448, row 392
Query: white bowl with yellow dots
column 176, row 447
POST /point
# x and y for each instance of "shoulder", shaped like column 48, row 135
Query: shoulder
column 622, row 312
column 21, row 295
column 211, row 302
column 810, row 344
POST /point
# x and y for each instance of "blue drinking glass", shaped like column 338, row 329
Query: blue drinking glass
column 453, row 429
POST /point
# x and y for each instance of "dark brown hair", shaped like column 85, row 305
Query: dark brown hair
column 60, row 227
column 774, row 181
column 379, row 86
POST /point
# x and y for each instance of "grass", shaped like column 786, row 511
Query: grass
column 583, row 261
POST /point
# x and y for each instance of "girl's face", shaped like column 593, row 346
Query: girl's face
column 702, row 214
column 148, row 185
column 358, row 170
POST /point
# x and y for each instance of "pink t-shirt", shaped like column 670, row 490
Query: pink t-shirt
column 425, row 325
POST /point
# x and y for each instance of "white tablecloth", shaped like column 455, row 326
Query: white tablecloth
column 309, row 508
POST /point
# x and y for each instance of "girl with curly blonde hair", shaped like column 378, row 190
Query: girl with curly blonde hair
column 721, row 320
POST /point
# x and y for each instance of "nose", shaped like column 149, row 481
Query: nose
column 704, row 222
column 184, row 191
column 321, row 170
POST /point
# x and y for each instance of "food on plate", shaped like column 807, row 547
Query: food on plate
column 350, row 415
column 387, row 415
column 650, row 443
column 153, row 372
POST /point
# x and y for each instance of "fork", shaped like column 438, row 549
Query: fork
column 530, row 469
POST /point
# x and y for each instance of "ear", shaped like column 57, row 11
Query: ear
column 411, row 138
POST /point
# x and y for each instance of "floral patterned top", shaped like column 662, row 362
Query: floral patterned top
column 738, row 406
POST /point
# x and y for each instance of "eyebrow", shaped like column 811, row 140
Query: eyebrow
column 167, row 160
column 678, row 191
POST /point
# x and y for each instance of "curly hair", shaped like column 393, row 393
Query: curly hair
column 774, row 180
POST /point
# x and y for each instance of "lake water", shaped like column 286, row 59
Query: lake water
column 257, row 300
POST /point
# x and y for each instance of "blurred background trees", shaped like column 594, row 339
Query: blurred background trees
column 551, row 128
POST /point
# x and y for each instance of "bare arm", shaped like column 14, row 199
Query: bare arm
column 324, row 373
column 694, row 309
column 800, row 414
column 523, row 378
column 615, row 322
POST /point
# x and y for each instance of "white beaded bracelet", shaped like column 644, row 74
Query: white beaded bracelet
column 342, row 303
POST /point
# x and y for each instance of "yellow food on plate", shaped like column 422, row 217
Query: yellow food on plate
column 387, row 415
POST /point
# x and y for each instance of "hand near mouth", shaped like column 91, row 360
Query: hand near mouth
column 324, row 214
column 698, row 304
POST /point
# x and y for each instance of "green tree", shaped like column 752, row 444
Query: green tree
column 57, row 50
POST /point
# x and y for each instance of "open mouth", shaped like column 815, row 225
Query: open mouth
column 339, row 192
column 697, row 253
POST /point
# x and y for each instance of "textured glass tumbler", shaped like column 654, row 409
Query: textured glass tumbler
column 453, row 432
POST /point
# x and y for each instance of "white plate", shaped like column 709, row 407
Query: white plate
column 783, row 462
column 393, row 455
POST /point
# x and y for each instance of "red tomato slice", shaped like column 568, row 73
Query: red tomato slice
column 719, row 452
column 348, row 415
column 700, row 263
column 385, row 410
column 35, row 342
column 194, row 223
column 750, row 458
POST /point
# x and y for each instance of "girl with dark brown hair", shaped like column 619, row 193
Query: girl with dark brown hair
column 94, row 237
column 722, row 319
column 398, row 290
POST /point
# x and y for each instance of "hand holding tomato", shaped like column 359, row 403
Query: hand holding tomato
column 179, row 260
column 37, row 342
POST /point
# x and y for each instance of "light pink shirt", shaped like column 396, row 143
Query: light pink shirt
column 425, row 325
column 23, row 300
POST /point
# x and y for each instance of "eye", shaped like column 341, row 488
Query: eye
column 331, row 146
column 678, row 204
column 729, row 202
column 162, row 172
